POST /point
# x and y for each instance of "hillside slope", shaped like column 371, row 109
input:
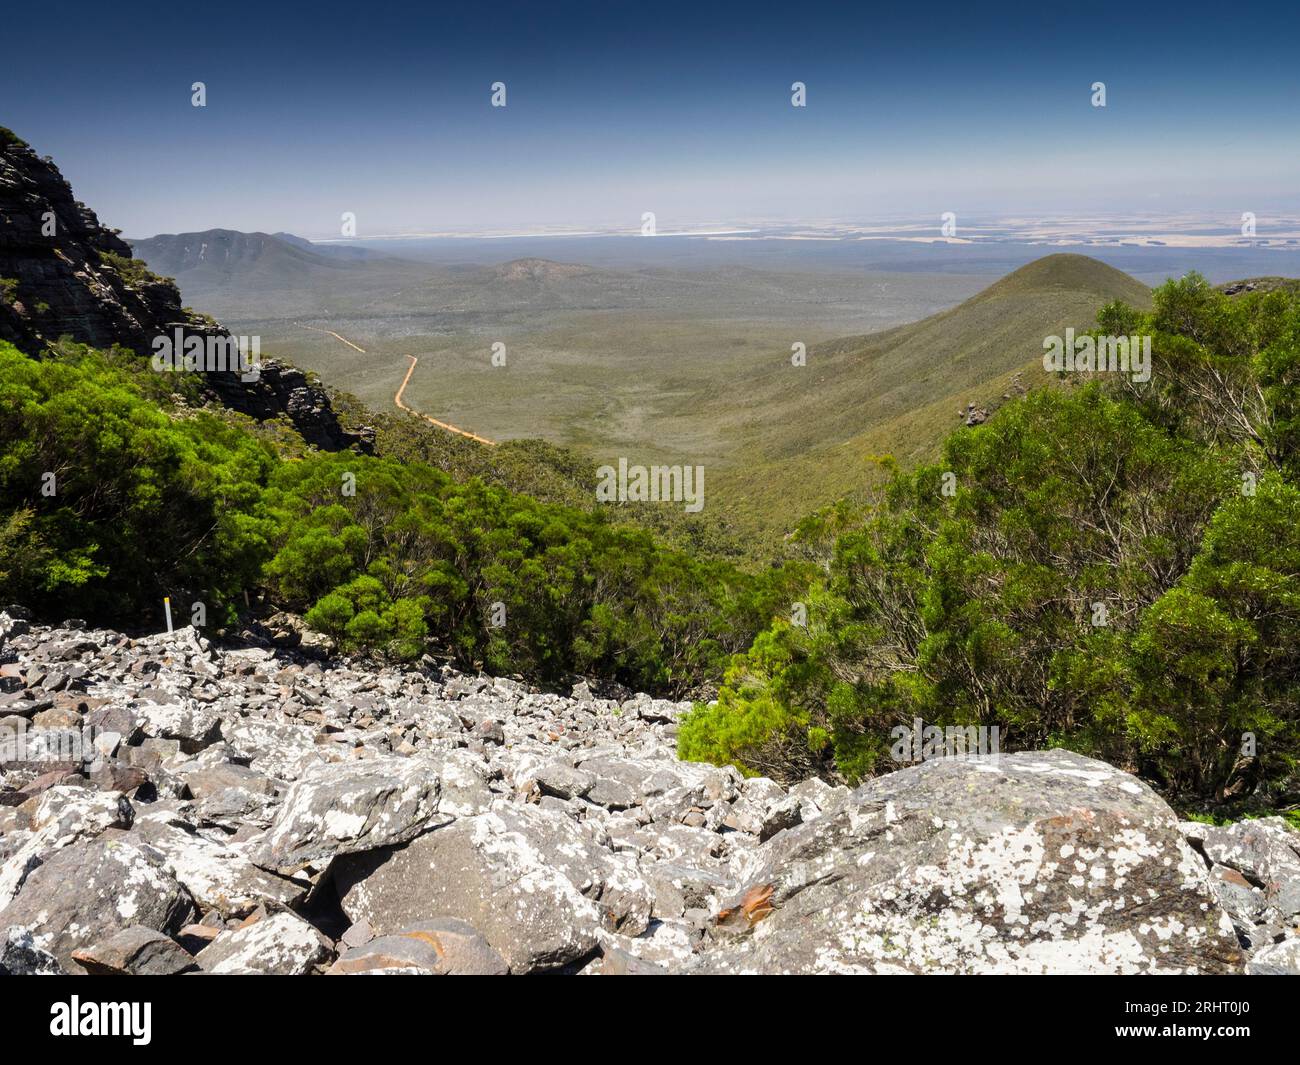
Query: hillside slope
column 809, row 433
column 64, row 275
column 235, row 274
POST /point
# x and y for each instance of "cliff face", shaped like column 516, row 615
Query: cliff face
column 55, row 249
column 63, row 274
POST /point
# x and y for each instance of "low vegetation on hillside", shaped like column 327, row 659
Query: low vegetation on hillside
column 1113, row 568
column 1108, row 566
column 812, row 434
column 550, row 474
column 110, row 500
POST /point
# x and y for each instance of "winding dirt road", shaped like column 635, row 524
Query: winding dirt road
column 397, row 399
column 330, row 332
column 433, row 421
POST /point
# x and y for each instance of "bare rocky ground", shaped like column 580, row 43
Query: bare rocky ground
column 167, row 806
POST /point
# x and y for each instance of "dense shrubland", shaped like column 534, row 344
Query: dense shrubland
column 1111, row 567
column 550, row 474
column 500, row 578
column 107, row 502
column 1116, row 570
column 386, row 556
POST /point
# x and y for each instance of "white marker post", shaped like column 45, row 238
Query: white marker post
column 167, row 606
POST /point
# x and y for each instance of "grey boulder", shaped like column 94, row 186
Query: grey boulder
column 87, row 892
column 1266, row 851
column 1031, row 863
column 442, row 947
column 135, row 951
column 1277, row 959
column 517, row 874
column 349, row 807
column 279, row 944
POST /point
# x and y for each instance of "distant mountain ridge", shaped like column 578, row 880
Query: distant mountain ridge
column 80, row 281
column 225, row 252
column 230, row 255
column 279, row 275
column 544, row 270
column 901, row 391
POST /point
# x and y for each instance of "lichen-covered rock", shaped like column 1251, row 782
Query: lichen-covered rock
column 678, row 887
column 89, row 891
column 1033, row 863
column 464, row 787
column 206, row 781
column 59, row 817
column 279, row 944
column 347, row 808
column 220, row 874
column 444, row 946
column 668, row 946
column 20, row 956
column 814, row 796
column 495, row 872
column 1266, row 851
column 1277, row 959
column 564, row 781
column 164, row 716
column 622, row 781
column 1255, row 869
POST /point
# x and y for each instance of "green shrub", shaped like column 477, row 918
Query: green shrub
column 112, row 504
column 1117, row 571
column 133, row 271
column 416, row 556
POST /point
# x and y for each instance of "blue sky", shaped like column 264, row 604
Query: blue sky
column 681, row 109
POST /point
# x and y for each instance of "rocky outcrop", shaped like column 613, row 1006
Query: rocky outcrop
column 59, row 262
column 1039, row 863
column 64, row 274
column 167, row 806
column 1255, row 869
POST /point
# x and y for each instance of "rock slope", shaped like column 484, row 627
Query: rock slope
column 62, row 273
column 167, row 806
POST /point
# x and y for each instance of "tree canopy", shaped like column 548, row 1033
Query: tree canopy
column 1112, row 567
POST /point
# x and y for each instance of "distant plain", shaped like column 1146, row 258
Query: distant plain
column 678, row 349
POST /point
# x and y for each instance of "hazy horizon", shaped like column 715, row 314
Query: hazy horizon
column 683, row 112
